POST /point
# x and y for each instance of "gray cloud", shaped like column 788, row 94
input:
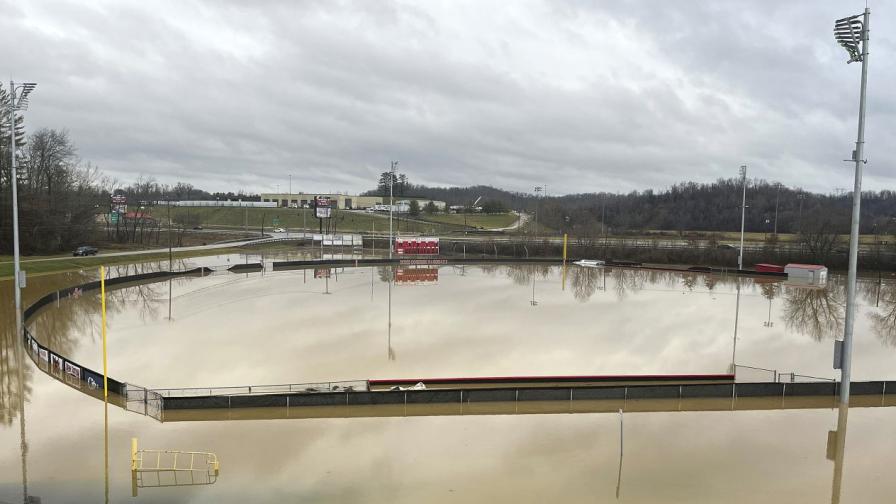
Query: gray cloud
column 582, row 97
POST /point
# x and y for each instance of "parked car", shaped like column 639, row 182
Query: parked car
column 279, row 230
column 84, row 250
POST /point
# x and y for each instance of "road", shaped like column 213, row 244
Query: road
column 521, row 219
column 557, row 240
column 149, row 251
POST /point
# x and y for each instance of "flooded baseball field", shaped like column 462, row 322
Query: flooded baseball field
column 325, row 324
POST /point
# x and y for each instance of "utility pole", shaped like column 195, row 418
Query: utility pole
column 777, row 194
column 289, row 202
column 743, row 213
column 170, row 257
column 603, row 221
column 845, row 32
column 538, row 190
column 391, row 204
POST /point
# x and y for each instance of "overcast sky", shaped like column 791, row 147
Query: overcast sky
column 581, row 96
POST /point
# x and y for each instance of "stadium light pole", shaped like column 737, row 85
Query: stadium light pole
column 743, row 214
column 391, row 203
column 22, row 104
column 852, row 33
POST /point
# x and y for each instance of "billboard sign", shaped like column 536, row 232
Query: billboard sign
column 119, row 203
column 322, row 207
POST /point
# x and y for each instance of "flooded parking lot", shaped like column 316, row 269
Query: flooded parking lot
column 325, row 324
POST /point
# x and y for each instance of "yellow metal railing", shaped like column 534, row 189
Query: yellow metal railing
column 167, row 468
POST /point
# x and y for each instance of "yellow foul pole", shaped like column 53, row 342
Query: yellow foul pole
column 103, row 296
column 564, row 248
column 564, row 262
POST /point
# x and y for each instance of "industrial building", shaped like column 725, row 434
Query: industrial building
column 340, row 201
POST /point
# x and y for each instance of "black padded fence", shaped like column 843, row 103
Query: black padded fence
column 629, row 393
column 80, row 377
column 563, row 398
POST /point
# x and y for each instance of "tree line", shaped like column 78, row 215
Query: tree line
column 688, row 206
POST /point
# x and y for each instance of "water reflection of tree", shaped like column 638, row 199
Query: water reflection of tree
column 817, row 313
column 63, row 325
column 770, row 290
column 522, row 274
column 584, row 282
column 883, row 322
column 10, row 397
column 630, row 280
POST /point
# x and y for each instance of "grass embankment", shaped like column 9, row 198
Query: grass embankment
column 731, row 236
column 69, row 263
column 348, row 221
column 484, row 221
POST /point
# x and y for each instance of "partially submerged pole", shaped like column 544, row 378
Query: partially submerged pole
column 857, row 157
column 103, row 329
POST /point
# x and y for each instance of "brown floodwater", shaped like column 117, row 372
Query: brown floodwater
column 486, row 320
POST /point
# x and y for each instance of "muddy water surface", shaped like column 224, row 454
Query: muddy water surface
column 328, row 324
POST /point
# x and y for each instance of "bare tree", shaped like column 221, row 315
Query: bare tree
column 820, row 239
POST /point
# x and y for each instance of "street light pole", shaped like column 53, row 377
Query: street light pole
column 845, row 32
column 391, row 203
column 289, row 202
column 743, row 214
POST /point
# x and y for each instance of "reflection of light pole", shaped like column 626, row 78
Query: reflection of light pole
column 21, row 104
column 736, row 320
column 533, row 302
column 23, row 443
column 850, row 32
column 621, row 446
column 389, row 351
column 839, row 452
column 170, row 256
column 769, row 323
column 743, row 213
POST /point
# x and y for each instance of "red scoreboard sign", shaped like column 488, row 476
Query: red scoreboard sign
column 417, row 246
